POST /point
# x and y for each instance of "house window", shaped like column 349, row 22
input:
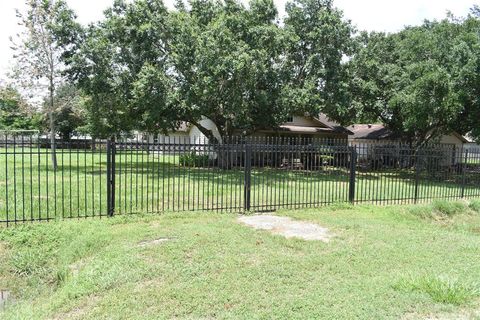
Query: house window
column 289, row 119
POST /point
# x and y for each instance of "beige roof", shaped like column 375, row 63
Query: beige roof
column 302, row 129
column 322, row 119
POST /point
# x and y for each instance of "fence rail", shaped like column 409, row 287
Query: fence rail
column 106, row 177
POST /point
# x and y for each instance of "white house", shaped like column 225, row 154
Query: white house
column 472, row 149
column 305, row 127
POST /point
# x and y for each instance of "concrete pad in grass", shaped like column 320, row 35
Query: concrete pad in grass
column 287, row 227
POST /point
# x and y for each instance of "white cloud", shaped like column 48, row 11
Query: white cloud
column 390, row 16
column 380, row 15
column 87, row 11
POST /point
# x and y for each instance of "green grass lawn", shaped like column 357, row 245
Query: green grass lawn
column 153, row 182
column 410, row 262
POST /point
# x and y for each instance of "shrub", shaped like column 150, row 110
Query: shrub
column 193, row 160
column 449, row 208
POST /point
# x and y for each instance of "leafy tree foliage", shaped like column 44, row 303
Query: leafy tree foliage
column 422, row 81
column 147, row 68
column 39, row 52
column 116, row 61
column 227, row 65
column 69, row 116
column 15, row 113
column 320, row 41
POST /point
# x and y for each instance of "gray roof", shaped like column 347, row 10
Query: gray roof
column 336, row 127
column 370, row 131
column 304, row 129
column 380, row 132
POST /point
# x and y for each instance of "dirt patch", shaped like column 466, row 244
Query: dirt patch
column 76, row 267
column 5, row 297
column 462, row 315
column 153, row 242
column 80, row 311
column 287, row 227
column 475, row 229
column 465, row 313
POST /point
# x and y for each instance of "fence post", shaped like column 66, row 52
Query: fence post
column 353, row 173
column 111, row 177
column 464, row 169
column 248, row 176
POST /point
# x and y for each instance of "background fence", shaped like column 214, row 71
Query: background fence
column 102, row 178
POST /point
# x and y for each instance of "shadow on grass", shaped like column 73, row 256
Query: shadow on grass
column 158, row 169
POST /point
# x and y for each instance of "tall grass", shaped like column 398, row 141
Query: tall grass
column 449, row 208
column 442, row 289
column 475, row 206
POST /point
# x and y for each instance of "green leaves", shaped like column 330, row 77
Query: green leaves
column 222, row 61
column 151, row 100
column 116, row 60
column 319, row 39
column 421, row 81
column 15, row 113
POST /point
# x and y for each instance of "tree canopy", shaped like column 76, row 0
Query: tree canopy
column 148, row 68
column 39, row 52
column 422, row 81
column 69, row 116
column 15, row 112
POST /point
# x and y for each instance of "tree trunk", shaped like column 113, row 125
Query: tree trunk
column 53, row 144
column 224, row 155
column 220, row 149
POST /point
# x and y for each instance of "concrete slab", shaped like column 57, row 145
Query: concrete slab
column 287, row 227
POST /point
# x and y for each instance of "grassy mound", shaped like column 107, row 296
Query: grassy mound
column 381, row 264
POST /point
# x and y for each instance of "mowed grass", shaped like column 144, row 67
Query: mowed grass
column 383, row 263
column 155, row 182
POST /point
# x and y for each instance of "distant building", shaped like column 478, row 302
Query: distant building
column 377, row 141
column 305, row 128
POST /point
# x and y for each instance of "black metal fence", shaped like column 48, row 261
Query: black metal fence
column 129, row 175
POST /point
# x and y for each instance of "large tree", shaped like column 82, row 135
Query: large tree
column 227, row 65
column 320, row 44
column 119, row 63
column 468, row 84
column 420, row 82
column 145, row 67
column 38, row 54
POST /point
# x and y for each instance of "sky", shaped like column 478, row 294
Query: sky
column 371, row 15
